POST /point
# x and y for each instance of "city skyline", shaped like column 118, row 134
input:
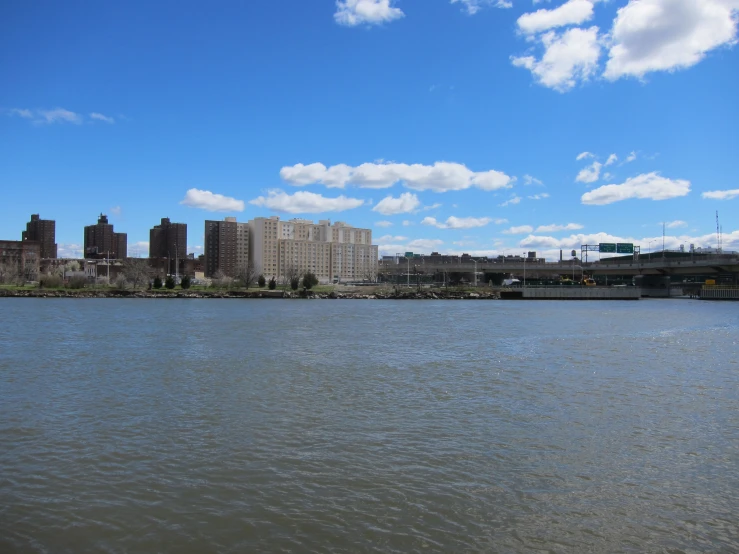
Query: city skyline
column 442, row 125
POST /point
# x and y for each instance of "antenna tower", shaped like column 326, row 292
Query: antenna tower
column 718, row 235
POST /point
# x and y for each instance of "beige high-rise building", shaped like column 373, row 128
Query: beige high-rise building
column 332, row 252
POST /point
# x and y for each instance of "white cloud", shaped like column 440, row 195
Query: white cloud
column 666, row 35
column 407, row 223
column 425, row 244
column 439, row 177
column 389, row 238
column 474, row 6
column 555, row 228
column 568, row 58
column 457, row 222
column 383, row 224
column 26, row 114
column 57, row 115
column 589, row 174
column 611, row 159
column 371, row 12
column 116, row 210
column 676, row 223
column 405, row 203
column 539, row 196
column 69, row 250
column 206, row 200
column 720, row 194
column 607, row 176
column 511, row 201
column 630, row 158
column 303, row 202
column 435, row 206
column 572, row 12
column 518, row 230
column 138, row 249
column 645, row 186
column 100, row 117
column 529, row 180
column 584, row 155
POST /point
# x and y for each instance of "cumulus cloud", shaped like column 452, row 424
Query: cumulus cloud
column 116, row 210
column 667, row 35
column 57, row 115
column 100, row 117
column 645, row 186
column 589, row 174
column 630, row 158
column 405, row 203
column 457, row 222
column 720, row 194
column 206, row 200
column 675, row 224
column 69, row 250
column 612, row 159
column 391, row 238
column 383, row 224
column 439, row 177
column 584, row 155
column 303, row 202
column 366, row 12
column 518, row 230
column 539, row 196
column 513, row 200
column 569, row 58
column 572, row 12
column 554, row 228
column 474, row 6
column 529, row 180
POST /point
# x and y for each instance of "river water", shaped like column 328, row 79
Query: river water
column 368, row 426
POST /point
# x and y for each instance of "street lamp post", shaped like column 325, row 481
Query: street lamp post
column 475, row 278
column 524, row 272
column 408, row 271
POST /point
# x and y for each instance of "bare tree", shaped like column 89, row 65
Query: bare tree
column 289, row 274
column 136, row 271
column 9, row 272
column 221, row 280
column 247, row 274
column 370, row 274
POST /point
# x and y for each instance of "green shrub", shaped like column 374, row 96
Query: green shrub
column 76, row 283
column 185, row 282
column 261, row 281
column 272, row 284
column 157, row 282
column 50, row 282
column 295, row 283
column 309, row 280
column 169, row 283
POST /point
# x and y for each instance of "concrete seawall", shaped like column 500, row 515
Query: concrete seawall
column 573, row 293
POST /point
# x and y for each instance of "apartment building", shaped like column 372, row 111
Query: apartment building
column 331, row 252
column 226, row 247
column 263, row 243
column 101, row 241
column 19, row 260
column 168, row 240
column 42, row 231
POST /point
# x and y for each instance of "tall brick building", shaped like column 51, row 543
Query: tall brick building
column 226, row 246
column 168, row 240
column 42, row 231
column 101, row 241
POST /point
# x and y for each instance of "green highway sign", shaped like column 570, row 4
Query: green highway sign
column 625, row 248
column 607, row 247
column 409, row 254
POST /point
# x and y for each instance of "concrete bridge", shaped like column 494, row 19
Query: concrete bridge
column 719, row 264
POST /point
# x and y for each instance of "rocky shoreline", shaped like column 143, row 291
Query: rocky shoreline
column 305, row 295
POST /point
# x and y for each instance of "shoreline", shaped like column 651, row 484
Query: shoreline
column 242, row 294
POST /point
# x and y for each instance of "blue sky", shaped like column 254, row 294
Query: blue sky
column 442, row 125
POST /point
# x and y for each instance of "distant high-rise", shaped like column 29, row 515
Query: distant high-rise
column 102, row 242
column 168, row 240
column 226, row 247
column 44, row 232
